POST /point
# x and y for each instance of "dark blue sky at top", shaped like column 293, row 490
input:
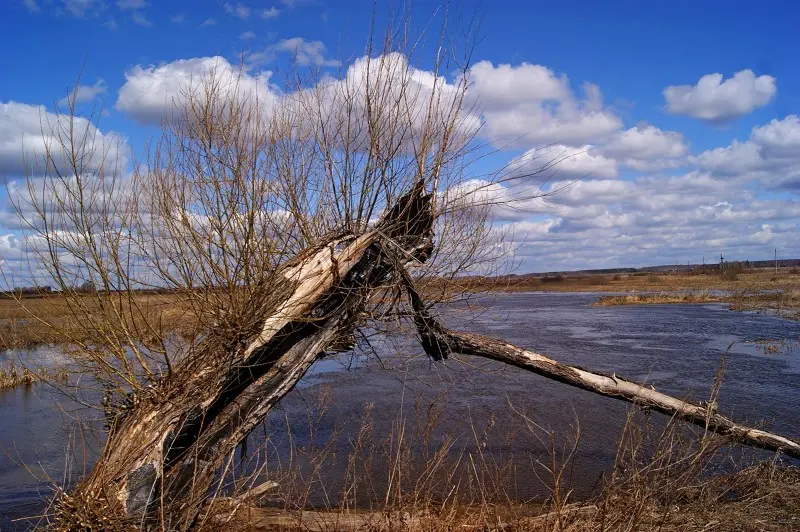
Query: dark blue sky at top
column 632, row 50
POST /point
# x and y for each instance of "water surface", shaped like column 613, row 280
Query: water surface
column 677, row 348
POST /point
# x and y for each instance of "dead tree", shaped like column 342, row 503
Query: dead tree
column 161, row 457
column 440, row 342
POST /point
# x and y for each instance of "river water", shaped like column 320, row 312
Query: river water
column 677, row 348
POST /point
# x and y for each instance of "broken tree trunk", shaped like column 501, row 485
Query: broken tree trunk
column 161, row 457
column 439, row 342
column 705, row 416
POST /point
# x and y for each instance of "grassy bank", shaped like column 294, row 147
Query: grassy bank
column 785, row 302
column 663, row 479
column 730, row 281
column 49, row 320
column 760, row 498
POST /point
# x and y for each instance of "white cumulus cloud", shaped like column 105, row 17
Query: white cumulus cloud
column 84, row 93
column 28, row 131
column 529, row 105
column 646, row 142
column 302, row 52
column 771, row 155
column 564, row 162
column 647, row 148
column 717, row 101
column 151, row 94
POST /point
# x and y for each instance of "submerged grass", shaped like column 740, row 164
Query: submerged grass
column 657, row 299
column 13, row 375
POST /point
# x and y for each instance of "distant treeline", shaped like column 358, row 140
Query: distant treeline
column 88, row 287
column 744, row 264
column 44, row 291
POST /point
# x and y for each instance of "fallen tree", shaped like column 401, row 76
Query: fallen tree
column 168, row 448
column 703, row 415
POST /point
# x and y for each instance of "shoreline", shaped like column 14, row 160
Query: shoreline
column 785, row 304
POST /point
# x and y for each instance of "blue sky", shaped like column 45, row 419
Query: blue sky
column 710, row 166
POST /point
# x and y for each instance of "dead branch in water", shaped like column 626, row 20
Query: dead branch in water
column 439, row 342
column 618, row 388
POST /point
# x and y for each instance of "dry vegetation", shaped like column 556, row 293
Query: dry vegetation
column 662, row 298
column 416, row 478
column 757, row 499
column 785, row 303
column 13, row 374
column 740, row 281
column 762, row 290
column 50, row 320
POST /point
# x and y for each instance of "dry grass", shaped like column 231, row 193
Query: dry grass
column 49, row 320
column 745, row 280
column 13, row 375
column 785, row 302
column 415, row 478
column 756, row 499
column 658, row 299
column 19, row 329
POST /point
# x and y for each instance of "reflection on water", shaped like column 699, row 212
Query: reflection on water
column 677, row 348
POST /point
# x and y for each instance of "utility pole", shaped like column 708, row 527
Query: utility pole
column 776, row 261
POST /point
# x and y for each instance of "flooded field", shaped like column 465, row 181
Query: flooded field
column 677, row 348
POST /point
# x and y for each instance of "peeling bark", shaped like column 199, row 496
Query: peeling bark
column 160, row 460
